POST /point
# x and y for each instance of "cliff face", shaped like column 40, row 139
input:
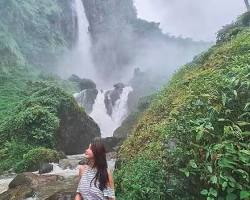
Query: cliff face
column 36, row 31
column 120, row 39
column 111, row 33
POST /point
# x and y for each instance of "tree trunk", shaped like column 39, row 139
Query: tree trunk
column 247, row 5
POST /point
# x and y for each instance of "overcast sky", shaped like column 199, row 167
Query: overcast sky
column 198, row 19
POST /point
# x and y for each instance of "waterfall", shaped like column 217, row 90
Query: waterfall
column 84, row 43
column 80, row 97
column 120, row 108
column 79, row 60
column 107, row 123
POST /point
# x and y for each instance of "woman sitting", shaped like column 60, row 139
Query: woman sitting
column 96, row 182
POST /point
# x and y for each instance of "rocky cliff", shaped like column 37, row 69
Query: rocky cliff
column 120, row 39
column 36, row 31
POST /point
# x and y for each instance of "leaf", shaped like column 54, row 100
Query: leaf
column 213, row 192
column 224, row 99
column 241, row 123
column 213, row 179
column 227, row 163
column 231, row 196
column 224, row 185
column 247, row 106
column 204, row 192
column 185, row 171
column 244, row 194
column 193, row 164
column 210, row 169
column 235, row 93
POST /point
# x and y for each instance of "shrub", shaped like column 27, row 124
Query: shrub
column 201, row 120
column 140, row 179
column 35, row 157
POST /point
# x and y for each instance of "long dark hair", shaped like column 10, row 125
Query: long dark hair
column 100, row 163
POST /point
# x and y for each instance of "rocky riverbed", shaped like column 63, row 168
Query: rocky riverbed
column 59, row 184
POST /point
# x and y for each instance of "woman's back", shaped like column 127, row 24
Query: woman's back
column 88, row 189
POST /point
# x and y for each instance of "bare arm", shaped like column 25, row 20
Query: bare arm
column 82, row 170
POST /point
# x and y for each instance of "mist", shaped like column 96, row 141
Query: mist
column 116, row 53
column 78, row 60
column 197, row 19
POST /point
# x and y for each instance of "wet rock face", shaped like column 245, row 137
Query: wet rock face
column 62, row 196
column 45, row 168
column 83, row 83
column 120, row 39
column 111, row 144
column 85, row 98
column 52, row 187
column 112, row 96
column 111, row 18
column 25, row 185
column 75, row 133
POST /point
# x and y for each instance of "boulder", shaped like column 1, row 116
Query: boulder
column 45, row 168
column 83, row 83
column 62, row 195
column 27, row 185
column 21, row 179
column 86, row 99
column 87, row 84
column 112, row 96
column 76, row 131
column 32, row 180
column 74, row 78
column 111, row 143
column 21, row 192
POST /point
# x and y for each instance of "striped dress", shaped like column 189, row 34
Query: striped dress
column 91, row 192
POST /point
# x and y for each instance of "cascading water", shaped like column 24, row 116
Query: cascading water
column 79, row 59
column 84, row 43
column 108, row 123
column 80, row 97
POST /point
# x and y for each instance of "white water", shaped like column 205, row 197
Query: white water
column 79, row 60
column 84, row 43
column 80, row 97
column 120, row 109
column 4, row 182
column 58, row 169
column 107, row 123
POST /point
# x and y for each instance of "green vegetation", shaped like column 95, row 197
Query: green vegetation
column 32, row 31
column 35, row 157
column 130, row 122
column 33, row 34
column 33, row 122
column 144, row 171
column 197, row 130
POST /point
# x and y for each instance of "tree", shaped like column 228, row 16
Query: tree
column 247, row 5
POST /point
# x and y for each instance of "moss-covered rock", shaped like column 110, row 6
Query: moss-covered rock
column 37, row 31
column 47, row 117
column 34, row 158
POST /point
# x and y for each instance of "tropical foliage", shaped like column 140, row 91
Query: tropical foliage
column 197, row 129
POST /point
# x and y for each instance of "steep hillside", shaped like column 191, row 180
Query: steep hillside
column 193, row 140
column 36, row 31
column 38, row 114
